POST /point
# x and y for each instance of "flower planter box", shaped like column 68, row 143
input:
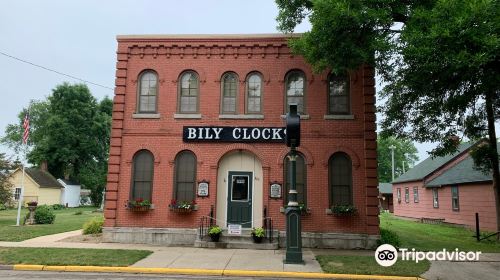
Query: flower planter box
column 139, row 208
column 181, row 210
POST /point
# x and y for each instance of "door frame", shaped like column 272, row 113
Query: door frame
column 228, row 193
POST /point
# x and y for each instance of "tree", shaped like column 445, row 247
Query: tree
column 70, row 130
column 439, row 60
column 404, row 153
column 6, row 167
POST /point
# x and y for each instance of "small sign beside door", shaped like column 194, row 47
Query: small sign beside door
column 233, row 229
column 275, row 190
column 203, row 189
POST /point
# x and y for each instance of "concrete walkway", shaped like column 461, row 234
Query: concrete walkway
column 488, row 267
column 185, row 257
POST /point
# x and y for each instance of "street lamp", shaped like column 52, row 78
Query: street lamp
column 392, row 147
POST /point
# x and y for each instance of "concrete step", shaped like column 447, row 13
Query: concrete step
column 265, row 245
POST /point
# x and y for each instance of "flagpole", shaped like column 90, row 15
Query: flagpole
column 24, row 139
column 20, row 200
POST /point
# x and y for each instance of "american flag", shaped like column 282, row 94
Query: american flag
column 26, row 125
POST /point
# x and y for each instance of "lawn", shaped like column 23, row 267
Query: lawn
column 66, row 220
column 367, row 265
column 427, row 237
column 64, row 256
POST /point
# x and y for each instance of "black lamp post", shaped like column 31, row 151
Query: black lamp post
column 293, row 224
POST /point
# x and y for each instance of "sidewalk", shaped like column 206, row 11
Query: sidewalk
column 185, row 257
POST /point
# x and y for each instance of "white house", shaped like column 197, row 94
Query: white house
column 70, row 194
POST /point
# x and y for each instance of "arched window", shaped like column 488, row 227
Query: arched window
column 185, row 176
column 300, row 179
column 142, row 172
column 295, row 82
column 254, row 94
column 188, row 93
column 338, row 95
column 340, row 178
column 148, row 91
column 229, row 93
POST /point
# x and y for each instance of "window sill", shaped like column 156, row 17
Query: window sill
column 302, row 117
column 241, row 117
column 338, row 117
column 187, row 116
column 145, row 116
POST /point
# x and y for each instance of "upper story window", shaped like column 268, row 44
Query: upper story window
column 229, row 93
column 338, row 95
column 188, row 93
column 295, row 83
column 148, row 91
column 142, row 175
column 254, row 94
column 340, row 177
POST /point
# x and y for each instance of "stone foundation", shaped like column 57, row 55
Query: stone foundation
column 188, row 236
column 154, row 236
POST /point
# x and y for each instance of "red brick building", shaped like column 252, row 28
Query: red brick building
column 447, row 189
column 201, row 118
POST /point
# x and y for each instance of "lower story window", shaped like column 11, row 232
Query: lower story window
column 455, row 205
column 17, row 193
column 435, row 198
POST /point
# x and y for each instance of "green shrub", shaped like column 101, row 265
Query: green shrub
column 93, row 226
column 388, row 237
column 58, row 206
column 2, row 207
column 79, row 212
column 44, row 215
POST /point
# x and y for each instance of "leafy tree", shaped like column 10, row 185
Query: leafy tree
column 6, row 166
column 439, row 60
column 70, row 130
column 404, row 153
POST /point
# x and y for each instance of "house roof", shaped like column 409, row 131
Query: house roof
column 429, row 165
column 385, row 187
column 69, row 182
column 43, row 178
column 463, row 172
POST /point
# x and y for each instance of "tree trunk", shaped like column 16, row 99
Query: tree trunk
column 493, row 155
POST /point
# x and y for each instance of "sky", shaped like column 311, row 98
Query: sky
column 78, row 38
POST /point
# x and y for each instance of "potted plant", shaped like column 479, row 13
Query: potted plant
column 182, row 206
column 344, row 210
column 139, row 205
column 32, row 203
column 258, row 234
column 214, row 232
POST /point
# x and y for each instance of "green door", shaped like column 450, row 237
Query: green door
column 239, row 199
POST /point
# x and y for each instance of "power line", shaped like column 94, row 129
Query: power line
column 51, row 70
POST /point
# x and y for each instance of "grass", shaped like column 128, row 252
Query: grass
column 64, row 256
column 368, row 265
column 427, row 237
column 66, row 220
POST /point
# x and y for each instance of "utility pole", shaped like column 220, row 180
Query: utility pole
column 392, row 147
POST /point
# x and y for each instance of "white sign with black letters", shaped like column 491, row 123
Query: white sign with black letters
column 203, row 189
column 233, row 229
column 275, row 191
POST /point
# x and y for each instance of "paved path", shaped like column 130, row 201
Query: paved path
column 185, row 257
column 488, row 267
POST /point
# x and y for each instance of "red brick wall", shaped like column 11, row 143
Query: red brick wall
column 472, row 198
column 210, row 58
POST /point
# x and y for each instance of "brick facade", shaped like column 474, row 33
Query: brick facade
column 211, row 57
